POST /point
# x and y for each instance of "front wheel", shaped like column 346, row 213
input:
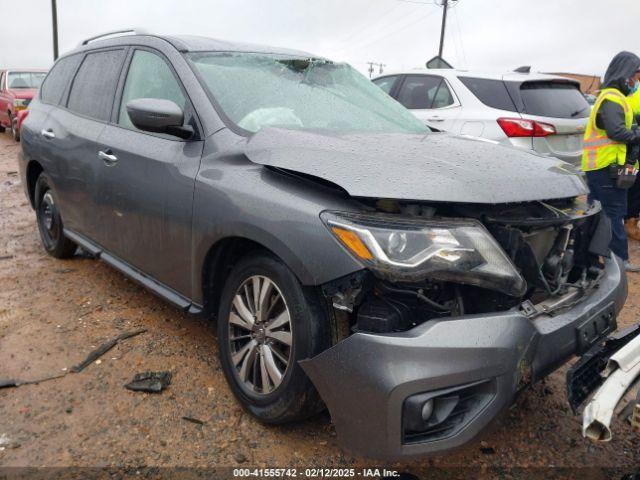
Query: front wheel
column 49, row 221
column 267, row 322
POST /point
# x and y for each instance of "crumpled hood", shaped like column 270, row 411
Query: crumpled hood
column 433, row 167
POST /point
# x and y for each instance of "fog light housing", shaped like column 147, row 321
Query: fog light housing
column 435, row 415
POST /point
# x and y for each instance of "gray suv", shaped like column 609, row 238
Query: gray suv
column 412, row 282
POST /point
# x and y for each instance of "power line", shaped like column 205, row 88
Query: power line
column 432, row 2
column 464, row 52
column 367, row 42
column 360, row 30
column 362, row 35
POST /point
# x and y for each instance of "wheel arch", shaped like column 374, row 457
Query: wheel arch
column 34, row 169
column 217, row 264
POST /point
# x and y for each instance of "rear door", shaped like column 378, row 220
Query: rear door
column 146, row 191
column 70, row 134
column 558, row 103
column 53, row 94
column 431, row 99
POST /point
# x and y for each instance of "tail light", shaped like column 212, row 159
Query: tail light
column 519, row 127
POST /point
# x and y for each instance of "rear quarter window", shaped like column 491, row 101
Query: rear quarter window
column 554, row 99
column 58, row 79
column 492, row 93
column 94, row 86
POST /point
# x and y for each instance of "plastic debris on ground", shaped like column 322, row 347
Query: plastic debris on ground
column 152, row 382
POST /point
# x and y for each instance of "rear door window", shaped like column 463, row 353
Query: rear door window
column 493, row 93
column 56, row 82
column 444, row 97
column 554, row 99
column 95, row 84
column 149, row 76
column 386, row 83
column 419, row 91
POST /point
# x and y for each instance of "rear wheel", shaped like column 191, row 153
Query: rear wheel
column 268, row 322
column 13, row 122
column 49, row 221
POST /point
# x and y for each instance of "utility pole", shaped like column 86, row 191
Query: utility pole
column 374, row 64
column 54, row 21
column 445, row 6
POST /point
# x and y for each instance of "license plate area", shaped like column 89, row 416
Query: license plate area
column 595, row 327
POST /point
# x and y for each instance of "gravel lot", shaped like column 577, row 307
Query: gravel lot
column 53, row 313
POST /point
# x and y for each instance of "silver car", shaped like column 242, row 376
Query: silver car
column 539, row 112
column 413, row 282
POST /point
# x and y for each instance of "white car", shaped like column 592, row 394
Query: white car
column 545, row 113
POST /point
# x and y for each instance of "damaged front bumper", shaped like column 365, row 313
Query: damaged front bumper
column 460, row 371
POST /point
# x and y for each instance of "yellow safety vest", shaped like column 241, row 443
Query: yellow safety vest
column 634, row 101
column 599, row 151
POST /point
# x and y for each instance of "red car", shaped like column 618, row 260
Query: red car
column 17, row 88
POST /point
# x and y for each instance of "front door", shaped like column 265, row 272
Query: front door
column 147, row 180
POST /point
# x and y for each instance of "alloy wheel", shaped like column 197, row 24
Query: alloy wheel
column 260, row 335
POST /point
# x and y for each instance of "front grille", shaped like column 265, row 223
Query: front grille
column 551, row 257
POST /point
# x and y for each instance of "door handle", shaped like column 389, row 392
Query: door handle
column 436, row 119
column 47, row 133
column 108, row 157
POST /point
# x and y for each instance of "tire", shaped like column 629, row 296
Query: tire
column 293, row 397
column 50, row 222
column 13, row 123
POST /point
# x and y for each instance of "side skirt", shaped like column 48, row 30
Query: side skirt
column 136, row 275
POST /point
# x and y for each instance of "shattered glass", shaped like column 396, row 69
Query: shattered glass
column 260, row 90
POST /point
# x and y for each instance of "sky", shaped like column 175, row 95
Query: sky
column 578, row 36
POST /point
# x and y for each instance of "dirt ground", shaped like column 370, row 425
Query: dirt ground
column 53, row 313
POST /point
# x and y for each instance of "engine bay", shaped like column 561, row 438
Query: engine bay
column 556, row 246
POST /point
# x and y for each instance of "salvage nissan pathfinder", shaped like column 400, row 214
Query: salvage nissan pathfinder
column 412, row 282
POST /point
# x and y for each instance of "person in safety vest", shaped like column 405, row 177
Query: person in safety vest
column 610, row 135
column 632, row 220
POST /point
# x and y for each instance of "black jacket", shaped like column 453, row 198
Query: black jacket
column 610, row 116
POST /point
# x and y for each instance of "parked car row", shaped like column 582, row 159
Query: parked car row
column 17, row 88
column 410, row 281
column 543, row 113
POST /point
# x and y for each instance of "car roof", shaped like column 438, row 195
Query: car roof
column 452, row 72
column 195, row 43
column 189, row 43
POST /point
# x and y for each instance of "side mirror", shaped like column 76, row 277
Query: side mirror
column 159, row 116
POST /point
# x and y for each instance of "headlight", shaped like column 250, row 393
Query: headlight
column 408, row 249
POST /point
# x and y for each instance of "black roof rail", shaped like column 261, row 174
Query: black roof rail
column 132, row 31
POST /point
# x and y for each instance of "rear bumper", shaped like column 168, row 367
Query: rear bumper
column 366, row 378
column 540, row 146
